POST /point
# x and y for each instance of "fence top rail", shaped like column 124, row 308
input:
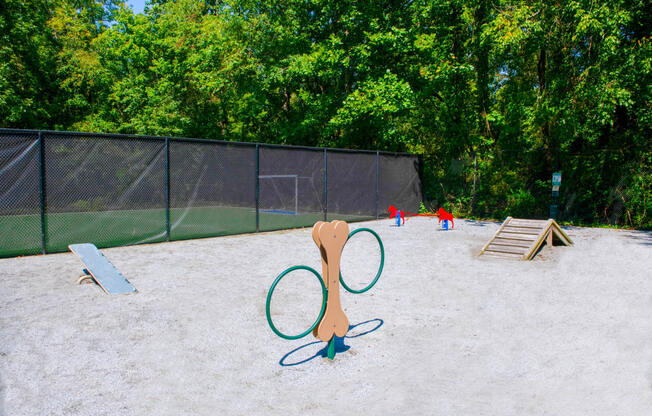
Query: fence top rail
column 19, row 131
column 195, row 140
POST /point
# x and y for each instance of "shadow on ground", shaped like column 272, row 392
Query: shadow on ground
column 476, row 223
column 2, row 398
column 641, row 237
column 339, row 343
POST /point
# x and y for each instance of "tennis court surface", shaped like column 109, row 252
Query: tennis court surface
column 442, row 332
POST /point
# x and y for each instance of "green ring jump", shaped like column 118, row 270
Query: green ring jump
column 331, row 238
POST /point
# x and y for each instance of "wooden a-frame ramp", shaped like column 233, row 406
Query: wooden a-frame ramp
column 521, row 239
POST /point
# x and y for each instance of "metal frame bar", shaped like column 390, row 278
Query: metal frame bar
column 167, row 189
column 420, row 168
column 325, row 185
column 377, row 181
column 41, row 163
column 195, row 140
column 257, row 186
column 296, row 187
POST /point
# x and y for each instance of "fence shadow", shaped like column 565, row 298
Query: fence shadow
column 339, row 343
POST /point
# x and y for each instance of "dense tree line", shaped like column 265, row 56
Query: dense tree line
column 496, row 95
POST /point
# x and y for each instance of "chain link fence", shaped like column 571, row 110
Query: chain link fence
column 61, row 188
column 21, row 222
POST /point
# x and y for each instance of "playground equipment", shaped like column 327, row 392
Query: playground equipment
column 100, row 270
column 330, row 238
column 445, row 217
column 520, row 239
column 399, row 216
column 441, row 213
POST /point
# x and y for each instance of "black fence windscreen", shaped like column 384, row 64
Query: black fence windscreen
column 351, row 186
column 399, row 183
column 212, row 189
column 109, row 190
column 291, row 187
column 61, row 188
column 20, row 202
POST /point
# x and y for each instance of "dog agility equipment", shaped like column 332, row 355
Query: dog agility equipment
column 100, row 270
column 330, row 238
column 520, row 239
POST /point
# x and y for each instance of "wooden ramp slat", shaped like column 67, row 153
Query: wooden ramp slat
column 528, row 223
column 523, row 230
column 522, row 238
column 502, row 256
column 505, row 249
column 518, row 236
column 511, row 243
column 516, row 239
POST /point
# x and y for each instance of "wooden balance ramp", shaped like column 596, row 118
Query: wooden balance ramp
column 521, row 239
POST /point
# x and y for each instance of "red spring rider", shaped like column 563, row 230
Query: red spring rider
column 441, row 213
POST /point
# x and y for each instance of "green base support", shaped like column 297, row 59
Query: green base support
column 331, row 348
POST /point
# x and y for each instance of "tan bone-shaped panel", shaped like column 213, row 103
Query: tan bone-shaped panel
column 332, row 237
column 324, row 261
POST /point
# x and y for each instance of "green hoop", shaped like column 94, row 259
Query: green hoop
column 323, row 303
column 380, row 268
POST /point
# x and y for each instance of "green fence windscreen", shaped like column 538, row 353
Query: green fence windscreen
column 62, row 188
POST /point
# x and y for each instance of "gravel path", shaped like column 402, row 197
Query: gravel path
column 443, row 332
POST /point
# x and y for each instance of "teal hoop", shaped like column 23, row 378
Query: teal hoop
column 323, row 303
column 382, row 260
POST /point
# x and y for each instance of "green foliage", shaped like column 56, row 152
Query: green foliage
column 521, row 203
column 496, row 95
column 27, row 70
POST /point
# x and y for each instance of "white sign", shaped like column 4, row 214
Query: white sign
column 556, row 182
column 556, row 178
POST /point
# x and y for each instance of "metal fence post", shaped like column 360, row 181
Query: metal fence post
column 325, row 186
column 377, row 186
column 420, row 168
column 167, row 189
column 257, row 186
column 41, row 163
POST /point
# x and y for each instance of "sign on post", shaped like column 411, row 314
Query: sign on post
column 556, row 183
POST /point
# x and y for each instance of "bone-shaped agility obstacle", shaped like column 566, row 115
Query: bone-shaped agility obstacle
column 330, row 238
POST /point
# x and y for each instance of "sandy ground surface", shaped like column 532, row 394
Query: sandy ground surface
column 443, row 332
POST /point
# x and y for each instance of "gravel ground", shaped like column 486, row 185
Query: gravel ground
column 443, row 331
